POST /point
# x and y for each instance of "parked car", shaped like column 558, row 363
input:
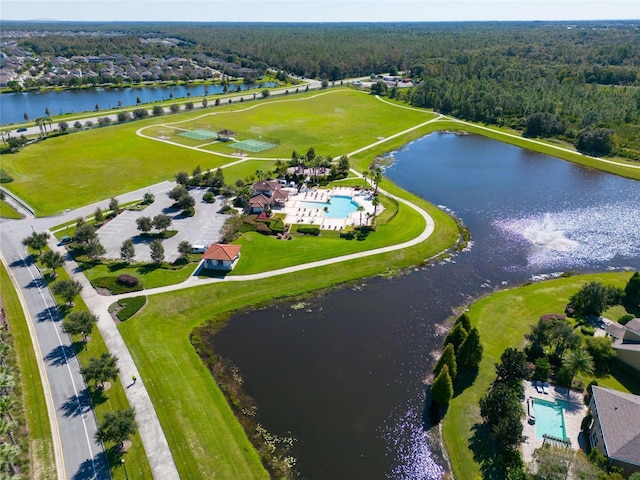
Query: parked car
column 199, row 248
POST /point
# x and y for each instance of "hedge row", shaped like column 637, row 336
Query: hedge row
column 130, row 307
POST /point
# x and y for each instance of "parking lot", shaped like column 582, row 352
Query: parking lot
column 201, row 229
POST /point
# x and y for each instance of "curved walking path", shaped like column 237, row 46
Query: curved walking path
column 194, row 281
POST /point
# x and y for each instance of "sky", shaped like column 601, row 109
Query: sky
column 318, row 10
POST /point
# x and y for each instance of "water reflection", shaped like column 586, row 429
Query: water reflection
column 344, row 375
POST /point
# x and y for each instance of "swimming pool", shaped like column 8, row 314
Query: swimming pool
column 340, row 206
column 549, row 418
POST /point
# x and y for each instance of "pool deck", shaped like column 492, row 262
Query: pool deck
column 296, row 214
column 573, row 416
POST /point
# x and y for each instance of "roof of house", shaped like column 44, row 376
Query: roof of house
column 615, row 330
column 220, row 251
column 633, row 325
column 629, row 333
column 618, row 414
column 280, row 195
column 259, row 201
column 266, row 185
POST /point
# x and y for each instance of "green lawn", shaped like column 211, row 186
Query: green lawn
column 42, row 462
column 203, row 434
column 93, row 165
column 502, row 320
column 262, row 253
column 7, row 211
column 149, row 276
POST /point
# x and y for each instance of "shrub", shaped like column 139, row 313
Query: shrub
column 277, row 225
column 127, row 280
column 130, row 307
column 226, row 209
column 111, row 284
column 588, row 330
column 315, row 231
column 626, row 318
column 209, row 197
column 5, row 177
column 348, row 232
column 189, row 212
column 263, row 228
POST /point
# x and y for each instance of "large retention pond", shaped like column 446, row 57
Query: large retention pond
column 34, row 104
column 344, row 374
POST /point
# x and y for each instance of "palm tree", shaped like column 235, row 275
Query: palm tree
column 577, row 361
column 360, row 209
column 40, row 122
column 365, row 174
column 377, row 176
column 375, row 202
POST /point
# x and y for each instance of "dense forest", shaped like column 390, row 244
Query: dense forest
column 579, row 82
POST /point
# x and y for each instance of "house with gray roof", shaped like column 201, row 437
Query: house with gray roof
column 615, row 429
column 626, row 341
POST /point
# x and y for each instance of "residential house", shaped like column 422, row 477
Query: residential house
column 615, row 429
column 220, row 256
column 626, row 342
column 267, row 194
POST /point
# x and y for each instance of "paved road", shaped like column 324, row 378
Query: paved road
column 73, row 423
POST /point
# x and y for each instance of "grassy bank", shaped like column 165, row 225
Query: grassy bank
column 502, row 320
column 42, row 462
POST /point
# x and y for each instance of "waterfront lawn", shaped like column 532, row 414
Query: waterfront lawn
column 34, row 406
column 204, row 436
column 502, row 320
column 89, row 166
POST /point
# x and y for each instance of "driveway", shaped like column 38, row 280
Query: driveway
column 201, row 229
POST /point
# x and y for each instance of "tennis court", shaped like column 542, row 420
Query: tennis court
column 252, row 145
column 199, row 134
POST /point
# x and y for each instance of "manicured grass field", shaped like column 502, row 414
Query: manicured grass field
column 7, row 211
column 502, row 320
column 89, row 166
column 203, row 434
column 42, row 464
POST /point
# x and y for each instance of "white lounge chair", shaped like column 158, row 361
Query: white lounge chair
column 538, row 386
column 545, row 388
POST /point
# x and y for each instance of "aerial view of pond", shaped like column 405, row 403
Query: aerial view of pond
column 34, row 104
column 343, row 375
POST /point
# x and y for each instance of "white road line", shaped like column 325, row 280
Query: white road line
column 66, row 362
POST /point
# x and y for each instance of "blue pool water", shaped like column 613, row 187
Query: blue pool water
column 549, row 418
column 340, row 206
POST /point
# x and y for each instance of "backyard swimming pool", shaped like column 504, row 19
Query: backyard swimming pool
column 340, row 206
column 549, row 418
